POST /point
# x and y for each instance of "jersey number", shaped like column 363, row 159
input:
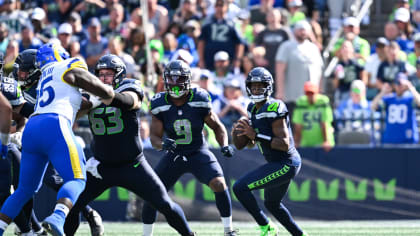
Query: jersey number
column 183, row 128
column 98, row 124
column 45, row 90
column 397, row 113
column 309, row 118
column 219, row 32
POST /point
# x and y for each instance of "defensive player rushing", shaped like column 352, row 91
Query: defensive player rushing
column 28, row 75
column 118, row 153
column 9, row 167
column 270, row 129
column 181, row 112
column 58, row 101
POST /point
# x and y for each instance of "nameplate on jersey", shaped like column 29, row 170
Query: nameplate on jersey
column 266, row 115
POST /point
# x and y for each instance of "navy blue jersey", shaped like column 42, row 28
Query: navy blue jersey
column 30, row 93
column 116, row 137
column 11, row 90
column 262, row 120
column 183, row 123
column 219, row 36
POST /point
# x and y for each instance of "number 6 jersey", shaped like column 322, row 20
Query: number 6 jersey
column 183, row 123
column 54, row 95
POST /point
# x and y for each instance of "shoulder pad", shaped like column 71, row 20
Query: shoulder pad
column 159, row 103
column 199, row 94
column 131, row 85
column 273, row 109
column 249, row 108
column 76, row 63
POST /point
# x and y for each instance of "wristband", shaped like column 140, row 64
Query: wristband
column 262, row 138
column 5, row 138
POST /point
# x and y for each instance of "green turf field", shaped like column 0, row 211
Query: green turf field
column 313, row 228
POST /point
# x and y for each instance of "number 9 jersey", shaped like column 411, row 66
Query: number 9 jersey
column 185, row 123
column 54, row 95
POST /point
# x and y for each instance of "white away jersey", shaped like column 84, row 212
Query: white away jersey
column 54, row 95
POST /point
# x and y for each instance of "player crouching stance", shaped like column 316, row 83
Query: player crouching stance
column 269, row 127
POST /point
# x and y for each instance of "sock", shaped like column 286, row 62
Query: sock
column 61, row 210
column 227, row 223
column 147, row 229
column 223, row 203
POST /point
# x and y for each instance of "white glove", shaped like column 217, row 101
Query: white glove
column 16, row 138
column 92, row 167
column 95, row 100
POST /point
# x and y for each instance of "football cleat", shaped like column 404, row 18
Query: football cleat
column 269, row 230
column 95, row 223
column 234, row 232
column 54, row 224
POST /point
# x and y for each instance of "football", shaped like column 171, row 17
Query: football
column 239, row 141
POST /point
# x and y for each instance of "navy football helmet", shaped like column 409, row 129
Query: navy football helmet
column 26, row 62
column 177, row 78
column 113, row 62
column 259, row 75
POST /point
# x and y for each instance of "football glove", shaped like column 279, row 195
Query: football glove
column 227, row 151
column 169, row 145
column 92, row 167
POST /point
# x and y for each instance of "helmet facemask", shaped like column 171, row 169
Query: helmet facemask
column 177, row 85
column 261, row 93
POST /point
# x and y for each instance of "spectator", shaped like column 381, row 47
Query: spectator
column 145, row 133
column 259, row 12
column 95, row 46
column 13, row 17
column 158, row 17
column 186, row 11
column 115, row 26
column 57, row 10
column 232, row 104
column 206, row 82
column 188, row 40
column 351, row 32
column 312, row 119
column 295, row 13
column 170, row 45
column 372, row 66
column 221, row 71
column 29, row 41
column 392, row 34
column 134, row 22
column 389, row 69
column 402, row 21
column 354, row 113
column 412, row 56
column 336, row 10
column 400, row 116
column 297, row 61
column 415, row 78
column 43, row 32
column 115, row 47
column 65, row 32
column 12, row 52
column 4, row 39
column 79, row 34
column 347, row 70
column 272, row 38
column 219, row 35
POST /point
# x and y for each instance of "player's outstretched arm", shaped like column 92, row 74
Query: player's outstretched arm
column 212, row 120
column 156, row 133
column 83, row 79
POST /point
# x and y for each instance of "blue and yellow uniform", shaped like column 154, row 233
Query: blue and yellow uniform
column 117, row 146
column 56, row 107
column 184, row 124
column 274, row 176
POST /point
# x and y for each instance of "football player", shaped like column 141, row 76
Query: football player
column 181, row 112
column 58, row 100
column 118, row 158
column 270, row 129
column 28, row 74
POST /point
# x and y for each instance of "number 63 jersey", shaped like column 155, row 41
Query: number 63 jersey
column 54, row 95
column 183, row 123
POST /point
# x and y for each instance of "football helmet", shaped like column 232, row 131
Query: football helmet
column 113, row 62
column 259, row 75
column 177, row 78
column 26, row 62
column 50, row 52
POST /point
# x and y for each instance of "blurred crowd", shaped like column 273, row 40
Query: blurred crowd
column 373, row 88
